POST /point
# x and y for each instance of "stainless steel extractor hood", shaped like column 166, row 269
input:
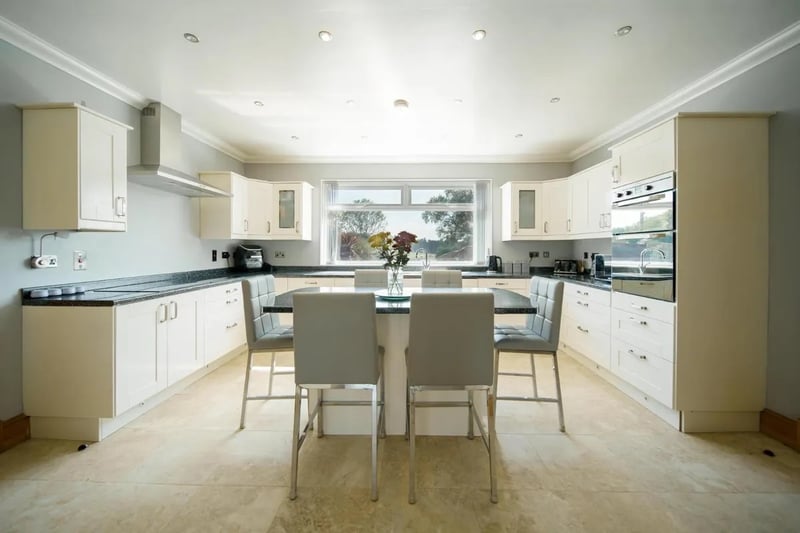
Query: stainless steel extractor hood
column 161, row 155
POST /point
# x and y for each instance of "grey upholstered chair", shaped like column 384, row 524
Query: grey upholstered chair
column 264, row 334
column 539, row 336
column 370, row 278
column 441, row 278
column 443, row 354
column 336, row 345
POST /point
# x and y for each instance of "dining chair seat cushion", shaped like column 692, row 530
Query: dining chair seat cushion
column 520, row 339
column 280, row 338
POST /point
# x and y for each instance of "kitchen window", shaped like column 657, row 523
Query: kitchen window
column 450, row 218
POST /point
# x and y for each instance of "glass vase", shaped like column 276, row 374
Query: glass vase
column 395, row 280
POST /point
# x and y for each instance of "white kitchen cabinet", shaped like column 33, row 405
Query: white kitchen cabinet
column 555, row 199
column 291, row 211
column 521, row 210
column 259, row 205
column 518, row 285
column 586, row 322
column 224, row 320
column 74, row 169
column 223, row 217
column 649, row 153
column 184, row 355
column 599, row 200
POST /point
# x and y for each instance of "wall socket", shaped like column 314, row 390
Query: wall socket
column 79, row 260
column 44, row 261
column 533, row 254
column 545, row 254
column 280, row 255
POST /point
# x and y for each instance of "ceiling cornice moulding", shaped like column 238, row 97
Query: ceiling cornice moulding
column 213, row 141
column 412, row 159
column 766, row 50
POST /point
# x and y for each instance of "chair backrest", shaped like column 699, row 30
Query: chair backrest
column 451, row 339
column 441, row 278
column 335, row 339
column 259, row 291
column 548, row 295
column 371, row 278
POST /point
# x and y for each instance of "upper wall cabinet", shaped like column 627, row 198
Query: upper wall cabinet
column 648, row 154
column 522, row 210
column 74, row 169
column 225, row 218
column 590, row 202
column 557, row 218
column 291, row 211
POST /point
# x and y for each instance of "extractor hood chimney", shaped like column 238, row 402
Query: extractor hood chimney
column 161, row 155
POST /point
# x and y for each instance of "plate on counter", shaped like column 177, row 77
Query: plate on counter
column 383, row 294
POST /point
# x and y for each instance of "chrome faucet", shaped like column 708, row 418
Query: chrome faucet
column 426, row 264
column 645, row 253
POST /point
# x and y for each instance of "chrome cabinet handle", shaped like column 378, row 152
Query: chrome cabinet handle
column 269, row 227
column 121, row 206
column 583, row 304
column 228, row 291
column 545, row 226
column 173, row 306
column 312, row 283
column 516, row 226
column 297, row 227
column 232, row 301
column 160, row 319
column 583, row 329
column 499, row 284
column 641, row 322
column 569, row 224
column 615, row 174
column 246, row 225
column 231, row 326
column 640, row 356
column 640, row 307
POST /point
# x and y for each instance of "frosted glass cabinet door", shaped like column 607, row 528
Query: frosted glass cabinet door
column 286, row 209
column 291, row 210
column 527, row 209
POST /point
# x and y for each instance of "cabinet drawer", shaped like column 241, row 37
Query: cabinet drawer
column 579, row 293
column 300, row 283
column 646, row 307
column 653, row 336
column 511, row 284
column 229, row 291
column 645, row 371
column 587, row 338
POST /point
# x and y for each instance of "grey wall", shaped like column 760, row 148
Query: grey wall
column 308, row 253
column 772, row 86
column 163, row 228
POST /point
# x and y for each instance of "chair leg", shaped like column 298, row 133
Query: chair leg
column 271, row 374
column 374, row 454
column 496, row 369
column 295, row 442
column 383, row 408
column 491, row 404
column 408, row 417
column 533, row 377
column 320, row 426
column 558, row 393
column 412, row 496
column 246, row 387
column 470, row 421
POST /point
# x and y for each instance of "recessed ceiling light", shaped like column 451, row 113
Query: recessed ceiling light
column 401, row 104
column 325, row 36
column 295, row 138
column 623, row 31
column 191, row 37
column 350, row 103
column 555, row 100
column 458, row 101
column 364, row 137
column 518, row 136
column 258, row 103
column 478, row 35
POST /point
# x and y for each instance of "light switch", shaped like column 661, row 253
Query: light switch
column 79, row 260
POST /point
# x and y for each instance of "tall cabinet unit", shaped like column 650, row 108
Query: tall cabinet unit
column 715, row 380
column 74, row 169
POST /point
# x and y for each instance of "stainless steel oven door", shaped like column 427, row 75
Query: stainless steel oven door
column 644, row 206
column 644, row 263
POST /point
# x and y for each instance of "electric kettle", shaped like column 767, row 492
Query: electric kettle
column 495, row 263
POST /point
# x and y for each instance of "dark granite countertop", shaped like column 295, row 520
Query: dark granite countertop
column 586, row 281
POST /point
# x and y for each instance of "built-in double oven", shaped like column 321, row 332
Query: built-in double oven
column 643, row 237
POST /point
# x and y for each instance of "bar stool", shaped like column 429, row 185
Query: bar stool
column 371, row 278
column 439, row 360
column 264, row 334
column 539, row 336
column 441, row 279
column 336, row 346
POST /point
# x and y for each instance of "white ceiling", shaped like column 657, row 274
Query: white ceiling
column 419, row 50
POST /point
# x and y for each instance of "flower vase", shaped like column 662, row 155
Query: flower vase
column 395, row 280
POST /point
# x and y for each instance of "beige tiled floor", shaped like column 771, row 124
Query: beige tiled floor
column 184, row 466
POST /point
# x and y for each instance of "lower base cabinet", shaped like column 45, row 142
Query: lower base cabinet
column 586, row 322
column 97, row 364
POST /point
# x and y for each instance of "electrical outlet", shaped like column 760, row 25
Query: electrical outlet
column 280, row 255
column 213, row 255
column 545, row 254
column 79, row 260
column 533, row 254
column 44, row 261
column 226, row 255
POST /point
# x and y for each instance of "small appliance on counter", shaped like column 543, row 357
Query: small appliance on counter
column 565, row 267
column 495, row 264
column 247, row 257
column 601, row 268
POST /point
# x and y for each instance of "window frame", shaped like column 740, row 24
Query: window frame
column 481, row 209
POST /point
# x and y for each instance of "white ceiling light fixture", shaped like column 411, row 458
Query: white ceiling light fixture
column 401, row 104
column 518, row 136
column 258, row 103
column 479, row 35
column 458, row 101
column 555, row 100
column 325, row 36
column 191, row 37
column 350, row 103
column 295, row 138
column 623, row 31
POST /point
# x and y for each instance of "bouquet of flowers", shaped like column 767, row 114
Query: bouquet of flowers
column 393, row 250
